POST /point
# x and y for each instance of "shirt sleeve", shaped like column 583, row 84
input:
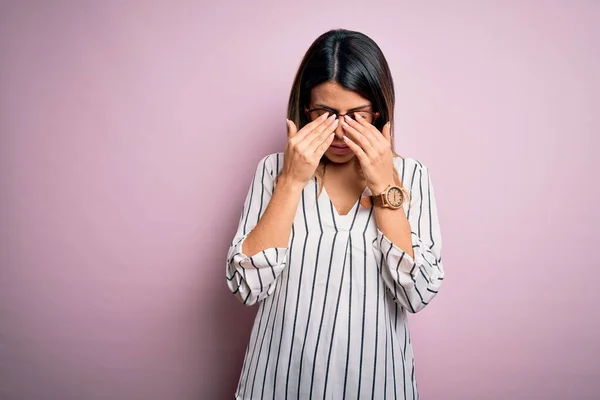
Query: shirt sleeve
column 414, row 282
column 253, row 278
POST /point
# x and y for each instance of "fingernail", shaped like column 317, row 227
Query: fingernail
column 347, row 117
column 335, row 123
column 324, row 116
column 357, row 115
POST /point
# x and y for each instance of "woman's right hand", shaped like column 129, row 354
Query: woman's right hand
column 306, row 147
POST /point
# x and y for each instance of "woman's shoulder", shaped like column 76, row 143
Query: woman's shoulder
column 274, row 160
column 409, row 165
column 272, row 163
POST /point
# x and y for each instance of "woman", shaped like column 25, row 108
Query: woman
column 338, row 239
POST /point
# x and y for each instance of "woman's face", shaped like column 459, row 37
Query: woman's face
column 333, row 98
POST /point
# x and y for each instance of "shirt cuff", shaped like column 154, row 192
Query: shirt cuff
column 272, row 257
column 397, row 257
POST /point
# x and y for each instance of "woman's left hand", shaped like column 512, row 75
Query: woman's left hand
column 373, row 149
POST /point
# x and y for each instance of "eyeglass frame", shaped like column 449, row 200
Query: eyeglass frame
column 374, row 114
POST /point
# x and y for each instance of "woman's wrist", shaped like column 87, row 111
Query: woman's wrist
column 289, row 184
column 379, row 187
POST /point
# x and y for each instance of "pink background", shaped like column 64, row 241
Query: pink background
column 129, row 134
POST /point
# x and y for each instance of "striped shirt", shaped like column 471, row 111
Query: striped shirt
column 332, row 306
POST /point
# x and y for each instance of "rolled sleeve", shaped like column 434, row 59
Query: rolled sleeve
column 253, row 278
column 415, row 281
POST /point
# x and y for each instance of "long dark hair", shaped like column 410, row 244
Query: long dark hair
column 354, row 61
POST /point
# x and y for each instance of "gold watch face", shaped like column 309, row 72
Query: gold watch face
column 395, row 197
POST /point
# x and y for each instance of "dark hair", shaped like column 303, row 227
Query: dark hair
column 354, row 61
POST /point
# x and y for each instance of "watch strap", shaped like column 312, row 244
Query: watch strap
column 366, row 201
column 373, row 200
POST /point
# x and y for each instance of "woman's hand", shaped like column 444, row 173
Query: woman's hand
column 306, row 147
column 373, row 149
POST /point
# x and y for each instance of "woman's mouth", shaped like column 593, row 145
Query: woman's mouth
column 339, row 149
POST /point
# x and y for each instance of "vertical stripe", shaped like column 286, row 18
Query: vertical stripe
column 257, row 274
column 245, row 280
column 389, row 330
column 403, row 168
column 333, row 212
column 387, row 258
column 364, row 310
column 412, row 181
column 349, row 320
column 406, row 296
column 262, row 341
column 262, row 192
column 403, row 358
column 376, row 340
column 429, row 208
column 249, row 205
column 337, row 306
column 385, row 362
column 298, row 292
column 412, row 377
column 395, row 293
column 244, row 366
column 312, row 378
column 412, row 382
column 312, row 294
column 268, row 262
column 256, row 334
column 279, row 290
column 420, row 202
column 416, row 287
column 349, row 301
column 287, row 285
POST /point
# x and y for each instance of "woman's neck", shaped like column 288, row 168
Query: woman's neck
column 347, row 171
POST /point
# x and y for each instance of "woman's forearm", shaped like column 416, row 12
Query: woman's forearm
column 274, row 227
column 395, row 225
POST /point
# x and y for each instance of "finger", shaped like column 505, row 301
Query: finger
column 311, row 126
column 291, row 128
column 370, row 130
column 309, row 135
column 362, row 156
column 387, row 132
column 318, row 139
column 324, row 126
column 305, row 139
column 358, row 137
column 322, row 148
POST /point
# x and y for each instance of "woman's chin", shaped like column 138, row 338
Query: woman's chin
column 339, row 158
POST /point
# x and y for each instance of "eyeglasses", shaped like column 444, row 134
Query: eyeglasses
column 315, row 113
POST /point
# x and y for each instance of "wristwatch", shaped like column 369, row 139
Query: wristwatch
column 392, row 197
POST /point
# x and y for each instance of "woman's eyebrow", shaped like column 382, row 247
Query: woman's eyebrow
column 336, row 110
